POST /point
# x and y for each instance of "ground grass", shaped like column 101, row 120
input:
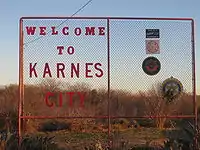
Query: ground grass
column 142, row 133
column 133, row 136
column 76, row 140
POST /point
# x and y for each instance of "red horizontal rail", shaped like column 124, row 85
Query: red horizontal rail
column 105, row 117
column 114, row 18
column 61, row 117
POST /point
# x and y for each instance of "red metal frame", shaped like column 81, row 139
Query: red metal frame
column 21, row 80
column 194, row 83
column 108, row 46
column 21, row 117
column 105, row 117
column 113, row 18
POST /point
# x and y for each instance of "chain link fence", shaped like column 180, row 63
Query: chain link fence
column 107, row 69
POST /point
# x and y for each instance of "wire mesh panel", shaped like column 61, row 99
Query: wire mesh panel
column 143, row 134
column 147, row 57
column 168, row 44
column 70, row 133
column 65, row 66
column 135, row 75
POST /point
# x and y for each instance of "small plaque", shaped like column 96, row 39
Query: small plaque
column 152, row 33
column 152, row 47
column 172, row 88
column 151, row 66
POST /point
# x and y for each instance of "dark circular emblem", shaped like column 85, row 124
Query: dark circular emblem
column 151, row 66
column 172, row 88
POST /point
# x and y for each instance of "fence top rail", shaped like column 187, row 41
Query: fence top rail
column 114, row 18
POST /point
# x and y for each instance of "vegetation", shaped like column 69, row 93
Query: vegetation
column 183, row 137
column 32, row 142
column 90, row 133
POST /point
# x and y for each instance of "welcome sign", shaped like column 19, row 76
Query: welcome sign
column 105, row 53
column 75, row 52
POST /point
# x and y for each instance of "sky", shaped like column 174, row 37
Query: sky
column 126, row 57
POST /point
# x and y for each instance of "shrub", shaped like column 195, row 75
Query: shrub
column 8, row 120
column 133, row 124
column 145, row 148
column 32, row 143
column 183, row 137
column 146, row 123
column 54, row 125
column 120, row 121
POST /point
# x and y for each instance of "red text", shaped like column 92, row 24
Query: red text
column 77, row 31
column 88, row 70
column 68, row 96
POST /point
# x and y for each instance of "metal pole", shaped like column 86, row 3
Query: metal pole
column 108, row 47
column 21, row 84
column 194, row 85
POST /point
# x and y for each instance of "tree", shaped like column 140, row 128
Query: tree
column 8, row 110
column 159, row 106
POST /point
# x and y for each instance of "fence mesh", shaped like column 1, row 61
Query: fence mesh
column 84, row 60
column 128, row 51
column 86, row 67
